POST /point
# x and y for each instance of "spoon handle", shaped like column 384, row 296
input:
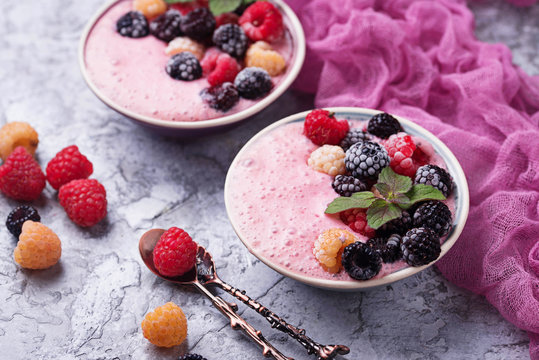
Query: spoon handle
column 237, row 322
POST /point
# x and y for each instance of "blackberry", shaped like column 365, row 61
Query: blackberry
column 384, row 125
column 435, row 176
column 253, row 82
column 191, row 357
column 198, row 24
column 435, row 215
column 361, row 261
column 365, row 160
column 18, row 216
column 221, row 97
column 347, row 185
column 231, row 39
column 352, row 137
column 420, row 246
column 184, row 66
column 399, row 225
column 388, row 248
column 133, row 25
column 166, row 27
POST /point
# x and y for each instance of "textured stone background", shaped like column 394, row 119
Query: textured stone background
column 91, row 304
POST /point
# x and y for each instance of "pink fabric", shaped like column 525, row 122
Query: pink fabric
column 421, row 60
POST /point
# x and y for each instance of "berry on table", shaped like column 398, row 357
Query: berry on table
column 15, row 134
column 219, row 68
column 69, row 164
column 38, row 247
column 18, row 216
column 398, row 226
column 175, row 253
column 434, row 176
column 167, row 26
column 262, row 21
column 231, row 39
column 388, row 248
column 328, row 159
column 435, row 215
column 420, row 246
column 166, row 326
column 133, row 25
column 353, row 136
column 365, row 160
column 226, row 18
column 322, row 127
column 198, row 24
column 84, row 200
column 192, row 357
column 328, row 248
column 21, row 177
column 183, row 43
column 345, row 185
column 356, row 219
column 221, row 97
column 361, row 261
column 384, row 125
column 261, row 55
column 184, row 66
column 150, row 8
column 404, row 154
column 253, row 83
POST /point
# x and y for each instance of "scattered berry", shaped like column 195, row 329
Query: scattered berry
column 262, row 21
column 356, row 219
column 434, row 215
column 398, row 226
column 383, row 125
column 199, row 24
column 184, row 66
column 328, row 248
column 365, row 160
column 253, row 83
column 221, row 97
column 220, row 68
column 192, row 357
column 38, row 247
column 403, row 153
column 435, row 176
column 84, row 200
column 231, row 39
column 167, row 26
column 328, row 159
column 420, row 246
column 69, row 164
column 166, row 326
column 353, row 136
column 18, row 216
column 181, row 44
column 388, row 248
column 150, row 8
column 261, row 55
column 21, row 177
column 360, row 261
column 175, row 253
column 347, row 185
column 133, row 25
column 322, row 127
column 15, row 134
column 226, row 18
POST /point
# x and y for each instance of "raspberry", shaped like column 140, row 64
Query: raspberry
column 328, row 159
column 192, row 357
column 69, row 164
column 184, row 66
column 406, row 158
column 18, row 216
column 175, row 253
column 347, row 185
column 186, row 8
column 38, row 247
column 262, row 21
column 434, row 176
column 199, row 24
column 133, row 25
column 84, row 200
column 226, row 18
column 388, row 248
column 383, row 125
column 356, row 219
column 360, row 261
column 420, row 246
column 365, row 160
column 398, row 226
column 181, row 44
column 21, row 177
column 167, row 26
column 15, row 134
column 231, row 39
column 220, row 68
column 322, row 127
column 261, row 55
column 166, row 326
column 221, row 97
column 434, row 215
column 253, row 83
column 353, row 136
column 150, row 8
column 328, row 248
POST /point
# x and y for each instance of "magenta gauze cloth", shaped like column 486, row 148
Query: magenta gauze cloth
column 421, row 60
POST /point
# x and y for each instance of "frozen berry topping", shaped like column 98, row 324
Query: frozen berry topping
column 406, row 158
column 435, row 176
column 221, row 97
column 328, row 159
column 262, row 55
column 399, row 225
column 231, row 39
column 356, row 219
column 184, row 66
column 198, row 24
column 345, row 185
column 166, row 27
column 434, row 215
column 262, row 21
column 253, row 83
column 361, row 261
column 353, row 136
column 219, row 68
column 388, row 248
column 322, row 127
column 384, row 125
column 420, row 246
column 365, row 160
column 133, row 24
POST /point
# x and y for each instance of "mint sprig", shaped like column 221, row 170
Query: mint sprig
column 396, row 193
column 218, row 7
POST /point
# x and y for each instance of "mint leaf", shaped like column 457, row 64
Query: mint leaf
column 178, row 1
column 218, row 7
column 360, row 200
column 380, row 212
column 397, row 183
column 245, row 2
column 383, row 189
column 422, row 192
column 400, row 199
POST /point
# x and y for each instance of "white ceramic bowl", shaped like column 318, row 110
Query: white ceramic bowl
column 459, row 217
column 203, row 127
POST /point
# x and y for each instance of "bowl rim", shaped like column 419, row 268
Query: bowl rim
column 350, row 285
column 298, row 55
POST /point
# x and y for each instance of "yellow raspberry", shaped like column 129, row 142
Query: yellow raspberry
column 329, row 246
column 38, row 247
column 328, row 159
column 150, row 8
column 181, row 44
column 166, row 326
column 15, row 134
column 261, row 55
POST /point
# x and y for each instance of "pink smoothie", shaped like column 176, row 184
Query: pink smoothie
column 277, row 202
column 131, row 73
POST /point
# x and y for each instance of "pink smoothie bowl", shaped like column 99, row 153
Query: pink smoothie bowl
column 278, row 210
column 101, row 24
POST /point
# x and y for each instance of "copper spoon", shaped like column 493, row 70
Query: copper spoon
column 204, row 273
